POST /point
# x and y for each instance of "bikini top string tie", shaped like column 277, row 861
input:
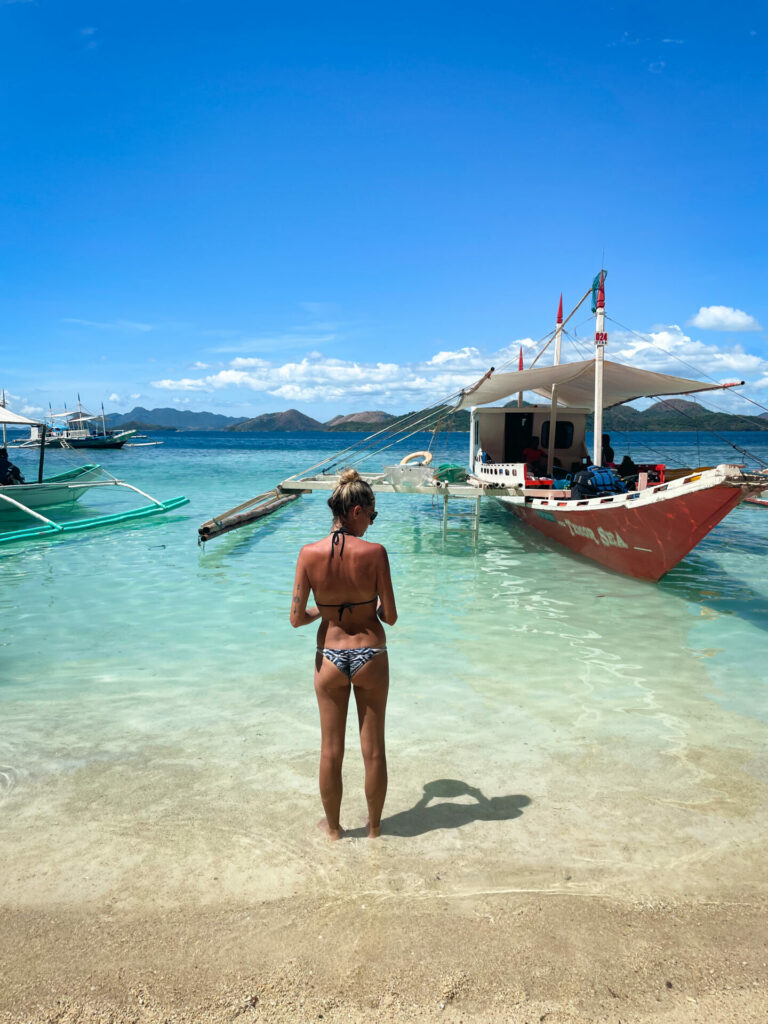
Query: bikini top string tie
column 336, row 542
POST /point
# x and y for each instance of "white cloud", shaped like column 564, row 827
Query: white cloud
column 137, row 395
column 114, row 397
column 185, row 384
column 252, row 361
column 31, row 410
column 316, row 377
column 199, row 366
column 89, row 37
column 462, row 356
column 113, row 325
column 668, row 349
column 724, row 318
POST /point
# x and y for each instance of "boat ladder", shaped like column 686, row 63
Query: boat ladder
column 472, row 513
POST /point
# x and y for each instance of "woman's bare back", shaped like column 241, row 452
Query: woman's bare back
column 348, row 576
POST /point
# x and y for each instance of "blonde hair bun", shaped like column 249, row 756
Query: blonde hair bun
column 351, row 490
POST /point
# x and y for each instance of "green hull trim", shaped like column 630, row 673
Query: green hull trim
column 70, row 474
column 88, row 524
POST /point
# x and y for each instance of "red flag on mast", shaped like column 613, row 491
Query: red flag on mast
column 520, row 360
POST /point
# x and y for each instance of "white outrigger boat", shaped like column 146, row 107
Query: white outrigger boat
column 641, row 527
column 80, row 430
column 22, row 502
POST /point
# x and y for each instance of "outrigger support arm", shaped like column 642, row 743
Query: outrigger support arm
column 114, row 483
column 29, row 511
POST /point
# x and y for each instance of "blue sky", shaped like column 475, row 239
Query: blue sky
column 246, row 207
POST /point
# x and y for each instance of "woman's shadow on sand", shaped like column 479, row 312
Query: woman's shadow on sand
column 426, row 816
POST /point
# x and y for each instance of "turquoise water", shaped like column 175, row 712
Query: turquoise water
column 159, row 735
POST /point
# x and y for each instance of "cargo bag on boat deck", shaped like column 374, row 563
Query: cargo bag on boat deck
column 595, row 481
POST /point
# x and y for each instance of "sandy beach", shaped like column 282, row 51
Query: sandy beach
column 490, row 957
column 463, row 911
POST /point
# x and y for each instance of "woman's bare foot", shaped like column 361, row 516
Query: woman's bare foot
column 373, row 832
column 332, row 833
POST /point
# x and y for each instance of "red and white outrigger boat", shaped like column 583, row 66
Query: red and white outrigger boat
column 643, row 532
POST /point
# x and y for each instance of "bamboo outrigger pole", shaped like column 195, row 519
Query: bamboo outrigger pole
column 248, row 512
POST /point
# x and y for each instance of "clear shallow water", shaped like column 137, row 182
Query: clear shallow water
column 159, row 730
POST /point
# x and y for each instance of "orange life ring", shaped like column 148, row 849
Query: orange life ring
column 426, row 458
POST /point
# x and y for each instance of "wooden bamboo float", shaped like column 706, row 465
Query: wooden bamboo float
column 256, row 508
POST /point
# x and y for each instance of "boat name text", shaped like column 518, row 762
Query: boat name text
column 607, row 538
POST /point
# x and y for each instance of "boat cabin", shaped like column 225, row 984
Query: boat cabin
column 499, row 436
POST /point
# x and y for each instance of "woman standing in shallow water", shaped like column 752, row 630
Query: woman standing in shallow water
column 352, row 585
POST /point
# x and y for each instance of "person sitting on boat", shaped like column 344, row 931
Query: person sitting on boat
column 353, row 576
column 535, row 458
column 627, row 468
column 9, row 473
column 608, row 455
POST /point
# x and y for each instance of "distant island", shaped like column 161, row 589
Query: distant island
column 674, row 414
column 177, row 419
column 138, row 425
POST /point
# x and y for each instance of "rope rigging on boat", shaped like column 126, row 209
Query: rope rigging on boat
column 571, row 337
column 398, row 432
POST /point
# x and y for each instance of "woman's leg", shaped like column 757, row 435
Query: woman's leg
column 332, row 690
column 371, row 685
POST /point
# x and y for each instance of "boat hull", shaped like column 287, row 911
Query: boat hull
column 57, row 490
column 94, row 441
column 643, row 535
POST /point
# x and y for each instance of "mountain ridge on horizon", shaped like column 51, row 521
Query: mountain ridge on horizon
column 673, row 414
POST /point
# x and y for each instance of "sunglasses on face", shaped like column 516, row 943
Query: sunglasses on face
column 372, row 515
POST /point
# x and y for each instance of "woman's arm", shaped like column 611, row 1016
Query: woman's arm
column 386, row 610
column 300, row 614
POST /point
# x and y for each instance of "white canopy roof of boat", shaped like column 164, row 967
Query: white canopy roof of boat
column 72, row 416
column 8, row 417
column 576, row 384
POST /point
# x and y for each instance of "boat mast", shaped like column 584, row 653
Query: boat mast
column 601, row 340
column 5, row 435
column 103, row 421
column 553, row 403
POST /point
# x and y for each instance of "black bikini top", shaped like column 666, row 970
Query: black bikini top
column 337, row 540
column 345, row 605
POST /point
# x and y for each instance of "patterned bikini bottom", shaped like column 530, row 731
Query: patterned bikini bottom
column 350, row 660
